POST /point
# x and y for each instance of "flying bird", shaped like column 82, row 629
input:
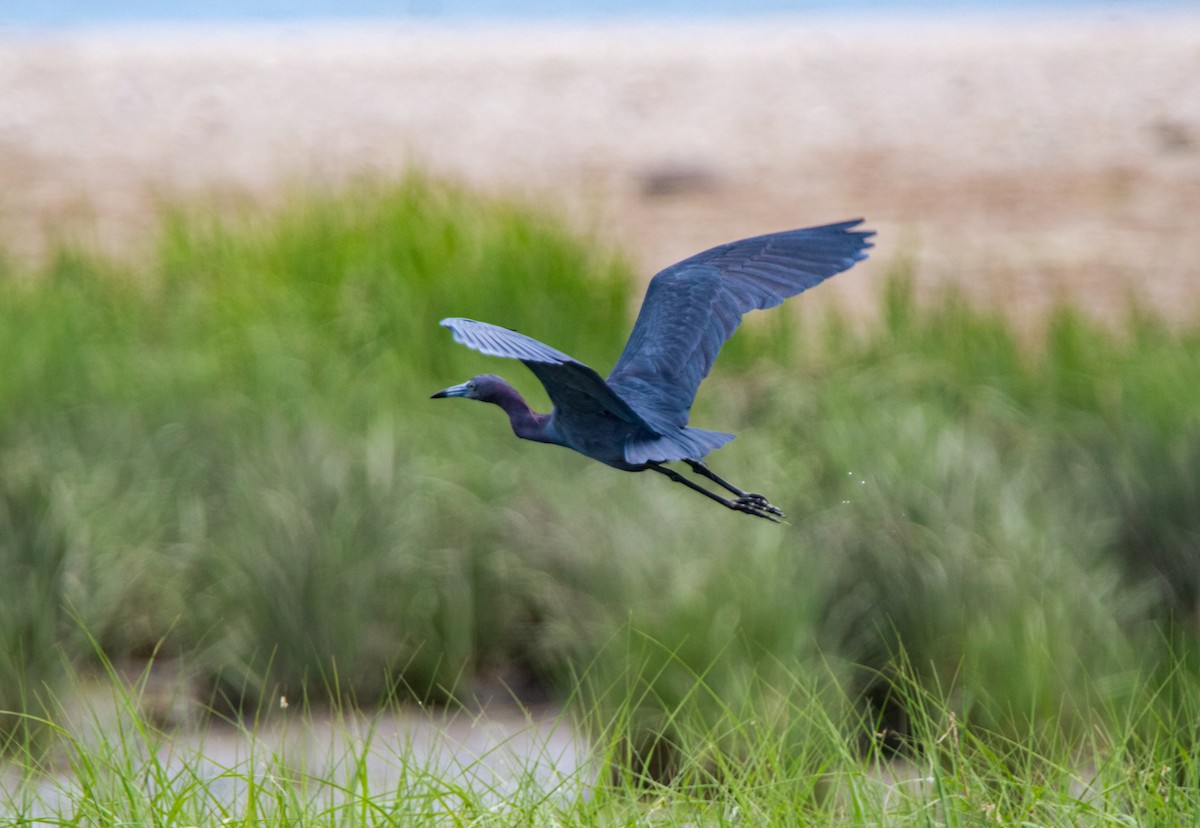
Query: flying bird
column 637, row 419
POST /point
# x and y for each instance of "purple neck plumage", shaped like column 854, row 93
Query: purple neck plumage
column 526, row 423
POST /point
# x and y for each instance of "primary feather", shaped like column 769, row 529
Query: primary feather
column 693, row 307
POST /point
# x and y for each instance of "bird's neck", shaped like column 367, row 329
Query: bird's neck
column 526, row 423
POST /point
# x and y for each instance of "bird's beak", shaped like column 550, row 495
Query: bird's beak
column 452, row 391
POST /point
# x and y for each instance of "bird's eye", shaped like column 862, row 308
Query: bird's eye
column 470, row 386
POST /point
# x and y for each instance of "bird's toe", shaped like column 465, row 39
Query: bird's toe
column 768, row 512
column 759, row 502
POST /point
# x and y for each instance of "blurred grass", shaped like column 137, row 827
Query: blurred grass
column 248, row 465
column 227, row 455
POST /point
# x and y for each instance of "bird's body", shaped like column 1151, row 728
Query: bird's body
column 637, row 418
column 602, row 438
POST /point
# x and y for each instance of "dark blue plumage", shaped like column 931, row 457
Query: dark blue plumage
column 637, row 419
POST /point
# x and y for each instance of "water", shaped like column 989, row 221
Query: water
column 73, row 13
column 328, row 760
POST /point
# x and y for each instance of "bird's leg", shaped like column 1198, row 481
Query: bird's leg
column 742, row 504
column 756, row 500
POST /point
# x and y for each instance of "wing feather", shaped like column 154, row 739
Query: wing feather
column 570, row 384
column 693, row 307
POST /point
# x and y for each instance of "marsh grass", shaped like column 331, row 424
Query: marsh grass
column 787, row 755
column 225, row 455
column 223, row 452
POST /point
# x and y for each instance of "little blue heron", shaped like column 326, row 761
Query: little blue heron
column 637, row 418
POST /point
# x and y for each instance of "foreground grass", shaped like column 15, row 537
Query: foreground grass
column 795, row 762
column 227, row 457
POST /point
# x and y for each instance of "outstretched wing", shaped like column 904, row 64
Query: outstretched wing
column 570, row 384
column 693, row 307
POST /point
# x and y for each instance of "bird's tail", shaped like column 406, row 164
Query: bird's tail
column 684, row 444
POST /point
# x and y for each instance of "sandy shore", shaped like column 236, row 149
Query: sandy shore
column 1028, row 161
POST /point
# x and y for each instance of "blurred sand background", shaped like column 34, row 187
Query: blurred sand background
column 1029, row 160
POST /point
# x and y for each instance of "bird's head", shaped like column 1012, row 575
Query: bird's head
column 484, row 388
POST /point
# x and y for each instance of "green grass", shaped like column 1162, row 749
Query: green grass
column 798, row 758
column 224, row 454
column 236, row 448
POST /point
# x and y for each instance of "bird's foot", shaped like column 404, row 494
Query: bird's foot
column 759, row 506
column 761, row 503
